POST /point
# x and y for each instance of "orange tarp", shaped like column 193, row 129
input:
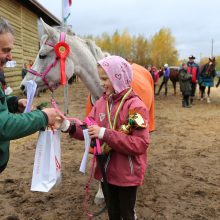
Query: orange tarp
column 143, row 85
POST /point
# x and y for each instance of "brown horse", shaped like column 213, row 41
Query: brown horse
column 174, row 75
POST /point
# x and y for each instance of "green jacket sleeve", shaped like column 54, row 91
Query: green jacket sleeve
column 13, row 126
column 12, row 103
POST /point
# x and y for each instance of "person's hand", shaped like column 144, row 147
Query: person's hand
column 93, row 131
column 54, row 118
column 21, row 105
column 58, row 123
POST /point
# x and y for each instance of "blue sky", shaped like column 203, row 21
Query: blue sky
column 193, row 23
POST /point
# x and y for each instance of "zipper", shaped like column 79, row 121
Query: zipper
column 131, row 165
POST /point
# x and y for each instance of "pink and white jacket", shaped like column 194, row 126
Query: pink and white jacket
column 127, row 161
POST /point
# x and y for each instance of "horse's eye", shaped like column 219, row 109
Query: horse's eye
column 42, row 56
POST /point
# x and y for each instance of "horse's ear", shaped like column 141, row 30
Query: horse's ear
column 48, row 29
column 212, row 59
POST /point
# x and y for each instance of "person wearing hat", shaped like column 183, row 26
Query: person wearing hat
column 193, row 70
column 166, row 76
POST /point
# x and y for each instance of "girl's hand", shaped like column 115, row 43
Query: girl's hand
column 93, row 131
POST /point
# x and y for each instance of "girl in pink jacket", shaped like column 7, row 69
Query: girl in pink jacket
column 122, row 120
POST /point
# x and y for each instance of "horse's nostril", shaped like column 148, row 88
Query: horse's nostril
column 22, row 87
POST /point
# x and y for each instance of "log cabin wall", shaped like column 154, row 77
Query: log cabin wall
column 24, row 20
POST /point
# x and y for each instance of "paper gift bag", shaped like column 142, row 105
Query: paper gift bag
column 47, row 162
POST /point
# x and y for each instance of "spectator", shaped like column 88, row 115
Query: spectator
column 155, row 77
column 185, row 85
column 24, row 70
column 166, row 76
column 30, row 64
column 193, row 70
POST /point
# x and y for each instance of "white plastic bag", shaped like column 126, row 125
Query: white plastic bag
column 31, row 87
column 86, row 153
column 47, row 162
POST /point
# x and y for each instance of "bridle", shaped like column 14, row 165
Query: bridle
column 61, row 50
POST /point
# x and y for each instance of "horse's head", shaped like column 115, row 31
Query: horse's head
column 46, row 68
column 160, row 71
column 211, row 65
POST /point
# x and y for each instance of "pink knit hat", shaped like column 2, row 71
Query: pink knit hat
column 118, row 71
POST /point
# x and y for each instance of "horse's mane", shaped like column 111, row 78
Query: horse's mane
column 203, row 67
column 95, row 50
column 68, row 30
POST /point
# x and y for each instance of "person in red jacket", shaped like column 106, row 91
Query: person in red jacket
column 193, row 70
column 122, row 127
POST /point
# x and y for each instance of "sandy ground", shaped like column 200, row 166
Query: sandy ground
column 182, row 181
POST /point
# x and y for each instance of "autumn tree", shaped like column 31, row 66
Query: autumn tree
column 157, row 51
column 163, row 48
column 104, row 42
column 141, row 50
column 126, row 44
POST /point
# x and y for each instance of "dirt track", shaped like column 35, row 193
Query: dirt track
column 182, row 181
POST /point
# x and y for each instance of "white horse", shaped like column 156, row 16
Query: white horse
column 82, row 61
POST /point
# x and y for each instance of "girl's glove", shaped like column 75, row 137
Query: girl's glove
column 65, row 125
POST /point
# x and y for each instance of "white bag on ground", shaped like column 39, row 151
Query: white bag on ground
column 47, row 162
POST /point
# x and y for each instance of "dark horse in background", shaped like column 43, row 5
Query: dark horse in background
column 174, row 75
column 206, row 78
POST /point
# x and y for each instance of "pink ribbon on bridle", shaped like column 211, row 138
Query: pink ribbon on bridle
column 47, row 70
